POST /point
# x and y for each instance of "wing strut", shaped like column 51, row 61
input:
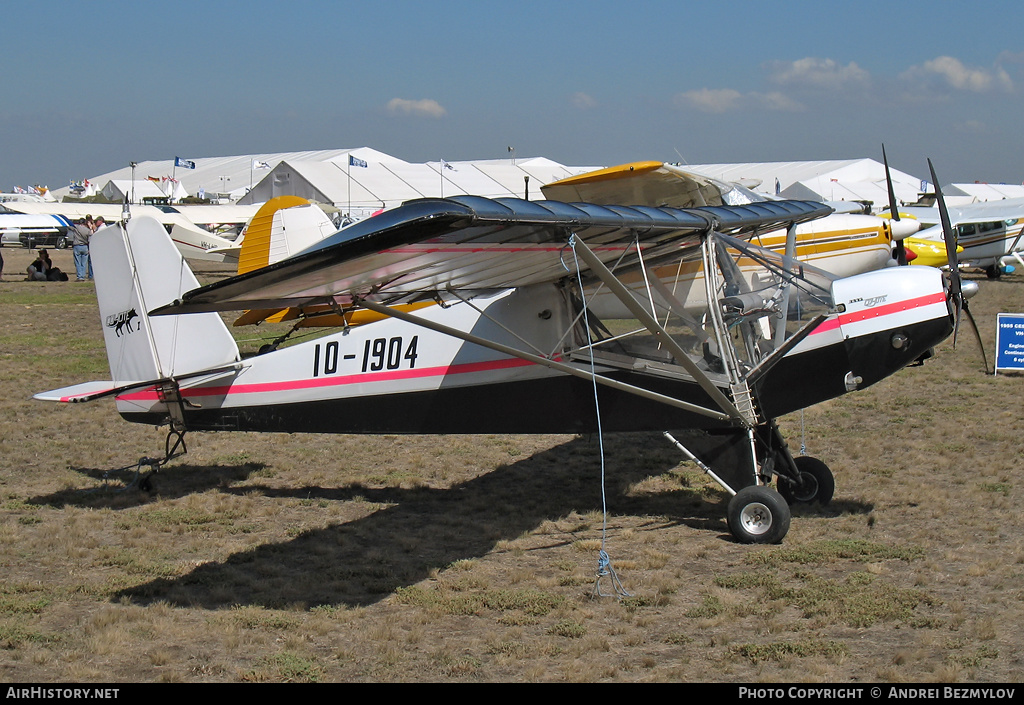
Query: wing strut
column 543, row 361
column 662, row 336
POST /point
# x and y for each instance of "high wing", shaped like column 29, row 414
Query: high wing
column 428, row 247
column 648, row 183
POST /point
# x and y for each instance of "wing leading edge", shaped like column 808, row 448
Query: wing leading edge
column 474, row 243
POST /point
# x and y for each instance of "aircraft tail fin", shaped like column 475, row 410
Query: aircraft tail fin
column 259, row 243
column 137, row 268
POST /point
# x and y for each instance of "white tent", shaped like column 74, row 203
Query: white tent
column 975, row 193
column 116, row 190
column 836, row 180
column 362, row 181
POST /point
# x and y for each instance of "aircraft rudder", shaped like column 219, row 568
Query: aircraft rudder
column 137, row 268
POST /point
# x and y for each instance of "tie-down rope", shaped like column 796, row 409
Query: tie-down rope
column 604, row 562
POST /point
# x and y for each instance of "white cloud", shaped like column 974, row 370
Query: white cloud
column 425, row 107
column 818, row 73
column 711, row 100
column 583, row 101
column 723, row 100
column 776, row 101
column 952, row 72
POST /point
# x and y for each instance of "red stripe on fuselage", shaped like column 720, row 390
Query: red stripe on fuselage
column 888, row 309
column 337, row 380
column 879, row 311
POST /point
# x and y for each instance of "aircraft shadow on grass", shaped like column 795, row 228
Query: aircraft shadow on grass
column 423, row 529
column 116, row 489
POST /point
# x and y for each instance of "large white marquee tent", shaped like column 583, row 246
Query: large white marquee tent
column 362, row 180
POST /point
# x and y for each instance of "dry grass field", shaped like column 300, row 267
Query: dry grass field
column 274, row 558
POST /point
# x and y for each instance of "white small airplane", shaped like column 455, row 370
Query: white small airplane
column 515, row 346
column 199, row 232
column 989, row 232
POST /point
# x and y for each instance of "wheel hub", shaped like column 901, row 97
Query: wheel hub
column 756, row 518
column 807, row 489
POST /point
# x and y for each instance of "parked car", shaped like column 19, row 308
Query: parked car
column 58, row 238
column 35, row 230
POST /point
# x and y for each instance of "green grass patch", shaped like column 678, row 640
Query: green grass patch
column 975, row 658
column 858, row 601
column 1002, row 488
column 531, row 602
column 782, row 650
column 286, row 667
column 14, row 635
column 569, row 628
column 834, row 550
column 709, row 607
column 71, row 296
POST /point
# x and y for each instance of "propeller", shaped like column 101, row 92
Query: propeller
column 956, row 290
column 894, row 214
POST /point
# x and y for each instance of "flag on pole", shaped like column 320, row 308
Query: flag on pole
column 260, row 165
column 355, row 161
column 446, row 165
column 187, row 164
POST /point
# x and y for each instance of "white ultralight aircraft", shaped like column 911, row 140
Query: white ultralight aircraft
column 514, row 346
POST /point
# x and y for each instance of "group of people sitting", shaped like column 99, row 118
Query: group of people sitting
column 43, row 270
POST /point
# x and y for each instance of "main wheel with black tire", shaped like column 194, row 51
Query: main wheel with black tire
column 758, row 514
column 816, row 483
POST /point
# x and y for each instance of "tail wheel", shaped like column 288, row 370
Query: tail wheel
column 758, row 514
column 816, row 483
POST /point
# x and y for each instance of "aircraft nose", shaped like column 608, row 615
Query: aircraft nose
column 905, row 227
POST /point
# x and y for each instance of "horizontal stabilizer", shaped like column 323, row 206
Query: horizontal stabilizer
column 86, row 391
column 90, row 391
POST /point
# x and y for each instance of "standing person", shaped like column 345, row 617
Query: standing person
column 81, row 232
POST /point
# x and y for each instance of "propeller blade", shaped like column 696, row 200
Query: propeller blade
column 955, row 290
column 977, row 336
column 893, row 211
column 894, row 215
column 947, row 230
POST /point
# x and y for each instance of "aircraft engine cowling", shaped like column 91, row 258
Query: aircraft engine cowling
column 889, row 318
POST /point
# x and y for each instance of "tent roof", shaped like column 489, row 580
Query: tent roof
column 985, row 192
column 832, row 180
column 389, row 182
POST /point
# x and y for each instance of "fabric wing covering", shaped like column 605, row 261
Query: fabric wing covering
column 470, row 243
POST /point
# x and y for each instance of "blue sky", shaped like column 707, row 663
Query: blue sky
column 88, row 87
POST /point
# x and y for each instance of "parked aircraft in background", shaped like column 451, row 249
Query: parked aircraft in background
column 841, row 243
column 989, row 232
column 194, row 229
